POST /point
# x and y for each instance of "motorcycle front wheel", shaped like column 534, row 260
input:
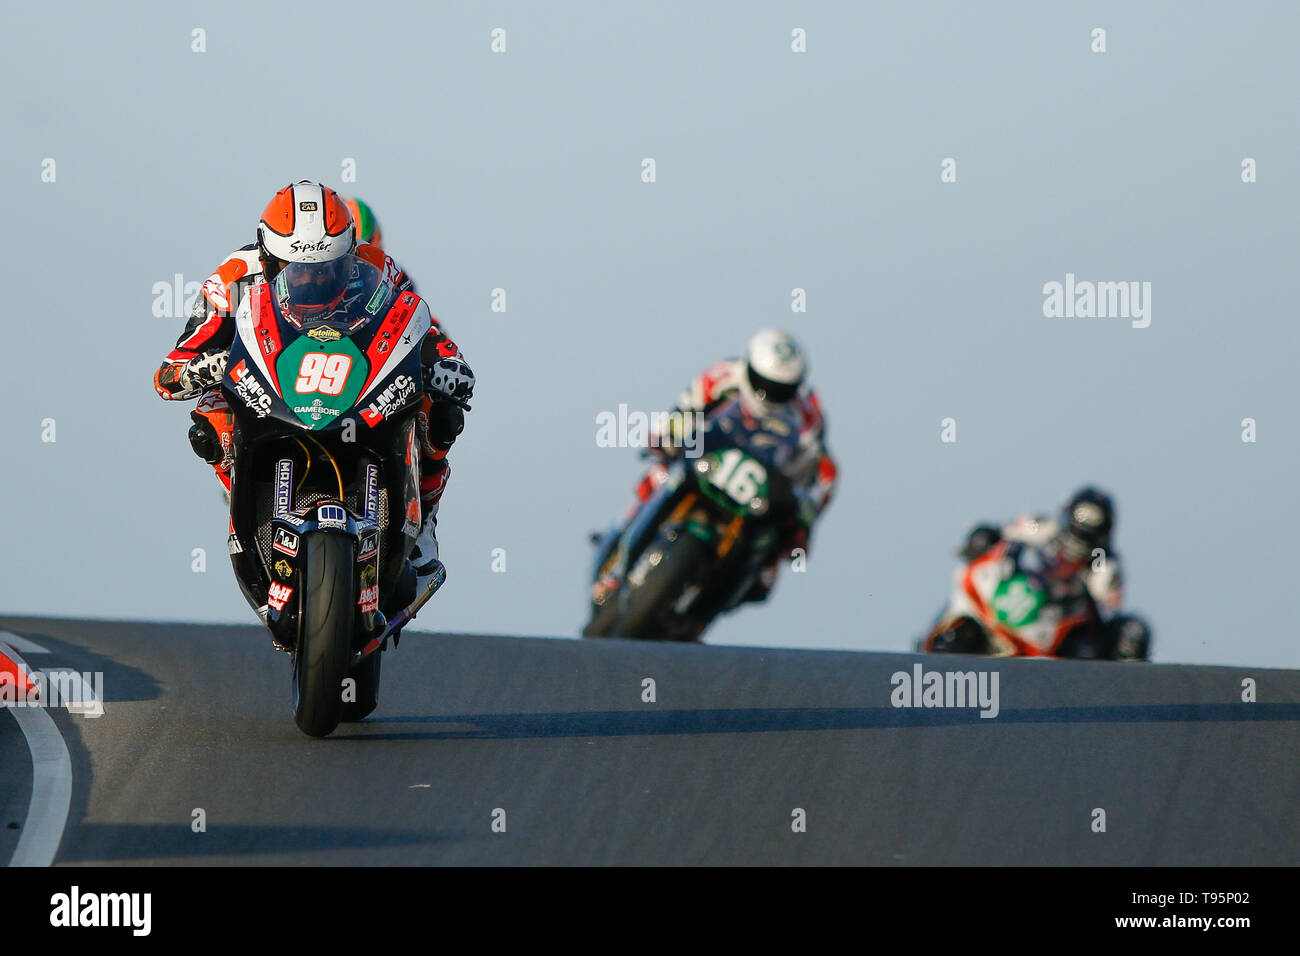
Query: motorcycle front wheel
column 324, row 652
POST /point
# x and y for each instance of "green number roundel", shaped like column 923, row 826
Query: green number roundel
column 1017, row 601
column 739, row 478
column 321, row 380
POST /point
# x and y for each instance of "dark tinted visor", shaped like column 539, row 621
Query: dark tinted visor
column 778, row 393
column 308, row 290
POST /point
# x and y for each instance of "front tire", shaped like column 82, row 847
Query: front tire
column 649, row 607
column 603, row 617
column 324, row 652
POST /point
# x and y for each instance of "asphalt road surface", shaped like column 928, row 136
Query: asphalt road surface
column 498, row 750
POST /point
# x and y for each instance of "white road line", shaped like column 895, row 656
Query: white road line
column 47, row 814
column 21, row 644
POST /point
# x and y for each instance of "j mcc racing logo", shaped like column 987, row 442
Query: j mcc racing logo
column 389, row 400
column 251, row 391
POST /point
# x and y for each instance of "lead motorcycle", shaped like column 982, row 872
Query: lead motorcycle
column 1003, row 604
column 324, row 496
column 699, row 543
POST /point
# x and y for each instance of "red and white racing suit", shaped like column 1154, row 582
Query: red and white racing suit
column 812, row 472
column 211, row 327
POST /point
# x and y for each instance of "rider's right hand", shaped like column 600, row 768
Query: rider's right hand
column 451, row 377
column 204, row 370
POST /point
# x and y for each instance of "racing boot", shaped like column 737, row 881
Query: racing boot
column 1129, row 638
column 424, row 556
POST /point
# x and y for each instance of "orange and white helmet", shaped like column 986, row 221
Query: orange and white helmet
column 305, row 222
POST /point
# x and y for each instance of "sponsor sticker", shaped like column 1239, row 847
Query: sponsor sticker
column 389, row 400
column 369, row 600
column 369, row 546
column 283, row 485
column 247, row 387
column 316, row 409
column 233, row 545
column 277, row 595
column 372, row 492
column 284, row 569
column 286, row 542
column 320, row 245
column 331, row 516
column 215, row 290
column 412, row 525
column 325, row 334
column 378, row 299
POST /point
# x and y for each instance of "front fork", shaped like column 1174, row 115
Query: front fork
column 327, row 516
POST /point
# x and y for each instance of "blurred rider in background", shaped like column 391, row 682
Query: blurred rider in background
column 768, row 380
column 1077, row 554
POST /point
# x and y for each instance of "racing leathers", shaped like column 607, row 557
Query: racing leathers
column 196, row 366
column 1100, row 573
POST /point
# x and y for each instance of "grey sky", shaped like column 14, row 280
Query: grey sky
column 775, row 170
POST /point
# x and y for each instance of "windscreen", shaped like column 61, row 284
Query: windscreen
column 344, row 293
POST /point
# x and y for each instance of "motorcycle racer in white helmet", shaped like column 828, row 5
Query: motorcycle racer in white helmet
column 769, row 379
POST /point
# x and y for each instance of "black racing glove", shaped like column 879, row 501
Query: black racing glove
column 204, row 370
column 450, row 377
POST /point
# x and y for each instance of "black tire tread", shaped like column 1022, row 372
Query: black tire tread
column 324, row 654
column 662, row 586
